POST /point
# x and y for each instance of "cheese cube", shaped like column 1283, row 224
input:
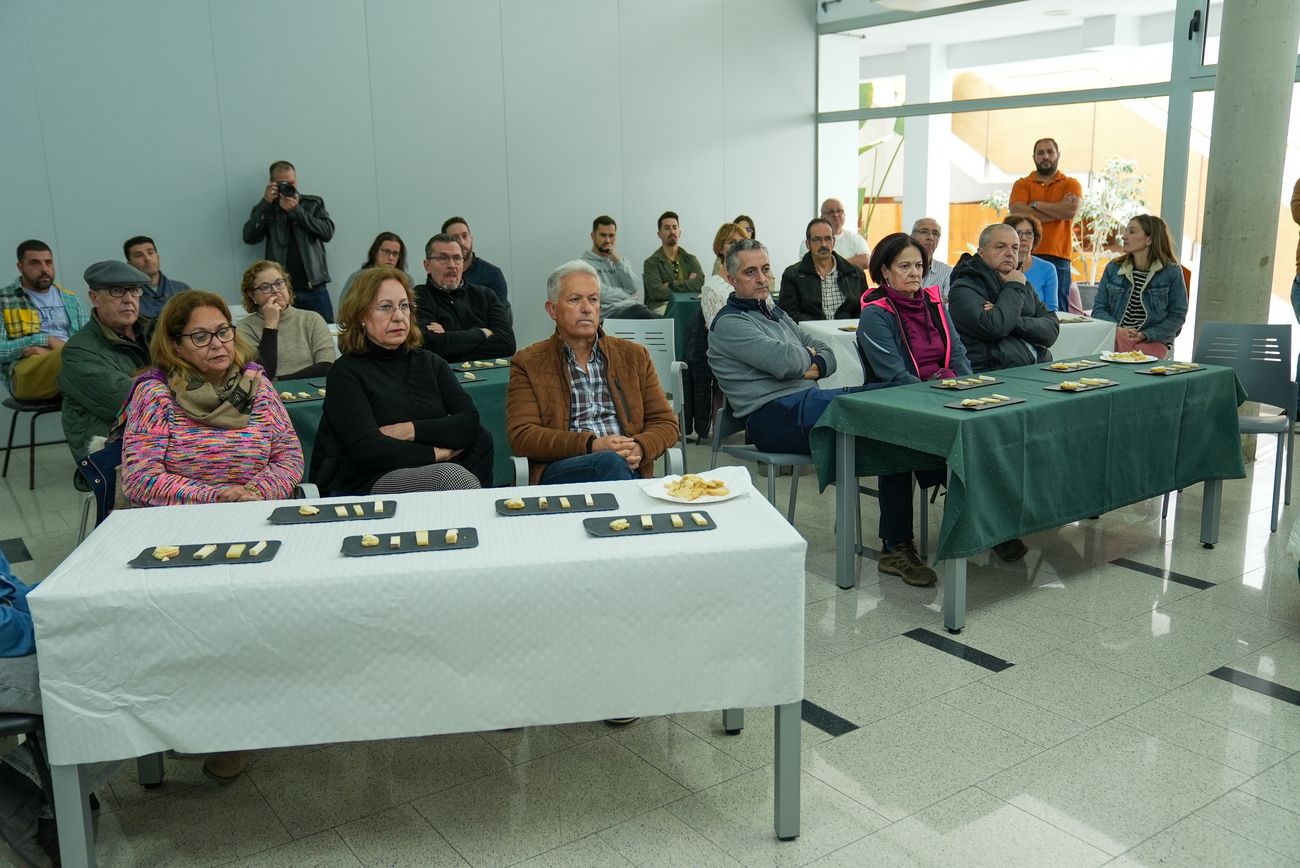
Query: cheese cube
column 541, row 503
column 379, row 507
column 699, row 519
column 452, row 536
column 647, row 522
column 564, row 503
column 394, row 542
column 341, row 511
column 205, row 551
column 421, row 537
column 590, row 501
column 236, row 551
column 257, row 549
column 677, row 520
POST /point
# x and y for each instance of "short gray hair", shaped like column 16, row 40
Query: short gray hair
column 440, row 238
column 986, row 234
column 556, row 277
column 743, row 246
column 920, row 220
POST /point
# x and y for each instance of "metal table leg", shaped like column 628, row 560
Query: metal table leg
column 72, row 812
column 733, row 720
column 1211, row 501
column 954, row 594
column 846, row 509
column 786, row 790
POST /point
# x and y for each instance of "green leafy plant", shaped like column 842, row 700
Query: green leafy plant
column 1114, row 196
column 998, row 200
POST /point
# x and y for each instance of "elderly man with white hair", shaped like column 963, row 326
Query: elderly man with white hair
column 848, row 243
column 583, row 406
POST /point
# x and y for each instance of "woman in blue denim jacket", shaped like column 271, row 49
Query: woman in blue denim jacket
column 1146, row 320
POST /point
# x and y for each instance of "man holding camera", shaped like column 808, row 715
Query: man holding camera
column 296, row 228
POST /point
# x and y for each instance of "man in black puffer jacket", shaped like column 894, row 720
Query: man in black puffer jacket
column 1001, row 320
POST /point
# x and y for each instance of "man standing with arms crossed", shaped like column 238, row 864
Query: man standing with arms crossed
column 1054, row 198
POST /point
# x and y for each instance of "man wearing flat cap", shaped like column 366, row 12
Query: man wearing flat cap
column 101, row 359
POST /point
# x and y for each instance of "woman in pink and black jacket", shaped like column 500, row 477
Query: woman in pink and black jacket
column 905, row 336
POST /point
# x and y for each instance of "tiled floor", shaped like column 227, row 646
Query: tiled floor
column 1106, row 741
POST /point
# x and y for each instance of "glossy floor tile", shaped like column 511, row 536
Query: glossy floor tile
column 1106, row 736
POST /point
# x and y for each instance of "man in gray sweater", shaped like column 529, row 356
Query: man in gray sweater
column 765, row 363
column 621, row 293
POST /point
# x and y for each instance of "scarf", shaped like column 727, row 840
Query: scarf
column 226, row 405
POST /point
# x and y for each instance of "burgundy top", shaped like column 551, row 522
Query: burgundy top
column 925, row 341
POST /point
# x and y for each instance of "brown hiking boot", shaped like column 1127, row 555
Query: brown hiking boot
column 904, row 562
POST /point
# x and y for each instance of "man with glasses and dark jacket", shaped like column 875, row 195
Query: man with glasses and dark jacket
column 822, row 285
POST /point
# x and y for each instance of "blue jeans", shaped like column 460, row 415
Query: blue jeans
column 316, row 298
column 596, row 467
column 1063, row 279
column 783, row 424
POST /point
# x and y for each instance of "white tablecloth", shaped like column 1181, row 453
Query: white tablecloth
column 1076, row 339
column 539, row 624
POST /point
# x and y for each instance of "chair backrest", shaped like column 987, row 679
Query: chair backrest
column 725, row 424
column 100, row 470
column 1259, row 354
column 657, row 336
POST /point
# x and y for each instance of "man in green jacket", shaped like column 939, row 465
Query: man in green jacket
column 670, row 268
column 103, row 357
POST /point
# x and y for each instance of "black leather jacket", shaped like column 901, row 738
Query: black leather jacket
column 311, row 225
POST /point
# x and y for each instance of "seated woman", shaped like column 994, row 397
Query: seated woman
column 290, row 341
column 1040, row 273
column 389, row 249
column 905, row 335
column 396, row 418
column 205, row 425
column 716, row 289
column 1142, row 291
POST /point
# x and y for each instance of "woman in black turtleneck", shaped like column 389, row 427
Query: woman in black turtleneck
column 396, row 419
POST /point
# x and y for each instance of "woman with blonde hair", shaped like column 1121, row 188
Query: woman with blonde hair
column 396, row 418
column 290, row 341
column 1142, row 291
column 716, row 289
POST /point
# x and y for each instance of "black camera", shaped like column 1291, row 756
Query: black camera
column 287, row 189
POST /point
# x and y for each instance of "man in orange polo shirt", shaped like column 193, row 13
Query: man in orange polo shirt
column 1053, row 198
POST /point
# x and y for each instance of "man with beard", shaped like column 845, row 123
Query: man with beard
column 1053, row 198
column 670, row 268
column 621, row 293
column 37, row 316
column 478, row 270
column 101, row 360
column 848, row 243
column 458, row 320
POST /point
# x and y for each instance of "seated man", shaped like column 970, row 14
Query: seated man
column 822, row 285
column 583, row 406
column 101, row 360
column 459, row 321
column 927, row 233
column 1002, row 321
column 141, row 252
column 621, row 293
column 36, row 317
column 766, row 365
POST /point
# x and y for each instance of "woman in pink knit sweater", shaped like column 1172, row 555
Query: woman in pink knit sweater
column 205, row 425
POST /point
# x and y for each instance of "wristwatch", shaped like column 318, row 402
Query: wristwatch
column 1033, row 205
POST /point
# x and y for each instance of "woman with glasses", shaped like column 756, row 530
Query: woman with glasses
column 396, row 418
column 388, row 248
column 1040, row 273
column 290, row 341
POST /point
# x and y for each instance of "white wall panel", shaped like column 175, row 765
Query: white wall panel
column 29, row 213
column 563, row 139
column 293, row 84
column 769, row 50
column 439, row 115
column 671, row 75
column 131, row 136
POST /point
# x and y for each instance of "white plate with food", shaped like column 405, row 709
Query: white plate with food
column 1132, row 357
column 711, row 486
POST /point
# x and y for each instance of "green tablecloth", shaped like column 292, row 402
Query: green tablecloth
column 1056, row 458
column 682, row 307
column 488, row 391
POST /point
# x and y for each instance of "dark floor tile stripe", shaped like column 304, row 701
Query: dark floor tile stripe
column 1161, row 573
column 15, row 550
column 827, row 721
column 957, row 649
column 868, row 552
column 1257, row 684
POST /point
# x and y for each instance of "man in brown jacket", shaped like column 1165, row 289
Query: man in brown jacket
column 583, row 406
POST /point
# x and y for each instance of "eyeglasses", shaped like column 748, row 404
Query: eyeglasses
column 444, row 258
column 1025, row 233
column 833, row 211
column 388, row 308
column 820, row 238
column 268, row 288
column 225, row 334
column 119, row 291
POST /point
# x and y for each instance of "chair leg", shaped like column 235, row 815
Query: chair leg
column 794, row 491
column 31, row 453
column 1277, row 480
column 9, row 447
column 1290, row 460
column 925, row 526
column 1164, row 506
column 771, row 483
column 85, row 517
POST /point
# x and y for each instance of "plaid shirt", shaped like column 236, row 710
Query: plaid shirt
column 832, row 295
column 591, row 406
column 20, row 322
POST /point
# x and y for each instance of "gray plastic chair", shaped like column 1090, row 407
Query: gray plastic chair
column 659, row 337
column 1261, row 357
column 725, row 424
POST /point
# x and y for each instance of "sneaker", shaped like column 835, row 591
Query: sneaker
column 903, row 561
column 79, row 482
column 20, row 808
column 225, row 767
column 1011, row 551
column 621, row 721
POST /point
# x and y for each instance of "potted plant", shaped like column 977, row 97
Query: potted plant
column 1113, row 197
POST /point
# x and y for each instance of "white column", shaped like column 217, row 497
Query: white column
column 926, row 173
column 1257, row 61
